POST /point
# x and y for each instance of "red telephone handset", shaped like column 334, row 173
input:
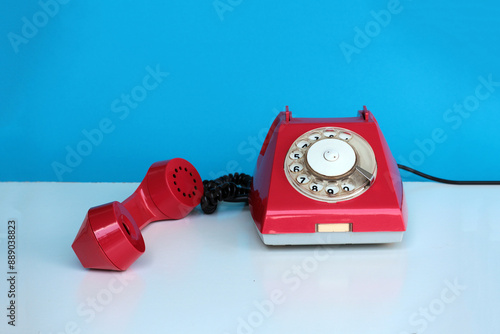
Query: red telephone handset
column 110, row 236
column 327, row 181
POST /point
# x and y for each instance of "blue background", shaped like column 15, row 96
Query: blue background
column 232, row 66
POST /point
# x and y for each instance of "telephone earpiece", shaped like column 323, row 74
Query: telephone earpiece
column 110, row 236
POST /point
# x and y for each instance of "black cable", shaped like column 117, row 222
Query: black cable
column 437, row 179
column 228, row 188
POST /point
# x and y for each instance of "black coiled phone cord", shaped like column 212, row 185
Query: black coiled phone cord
column 228, row 188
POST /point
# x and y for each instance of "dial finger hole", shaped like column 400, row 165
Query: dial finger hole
column 345, row 136
column 329, row 133
column 302, row 144
column 332, row 190
column 296, row 167
column 348, row 186
column 296, row 155
column 314, row 136
column 303, row 179
column 316, row 186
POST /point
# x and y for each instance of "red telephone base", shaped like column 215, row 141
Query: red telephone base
column 285, row 214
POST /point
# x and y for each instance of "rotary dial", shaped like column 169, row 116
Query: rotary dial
column 330, row 164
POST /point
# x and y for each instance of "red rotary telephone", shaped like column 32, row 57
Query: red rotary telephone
column 317, row 181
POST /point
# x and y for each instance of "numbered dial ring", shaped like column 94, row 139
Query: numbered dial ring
column 330, row 164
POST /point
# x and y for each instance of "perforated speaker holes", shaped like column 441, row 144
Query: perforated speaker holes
column 185, row 182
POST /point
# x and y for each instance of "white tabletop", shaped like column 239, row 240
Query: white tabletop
column 212, row 274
